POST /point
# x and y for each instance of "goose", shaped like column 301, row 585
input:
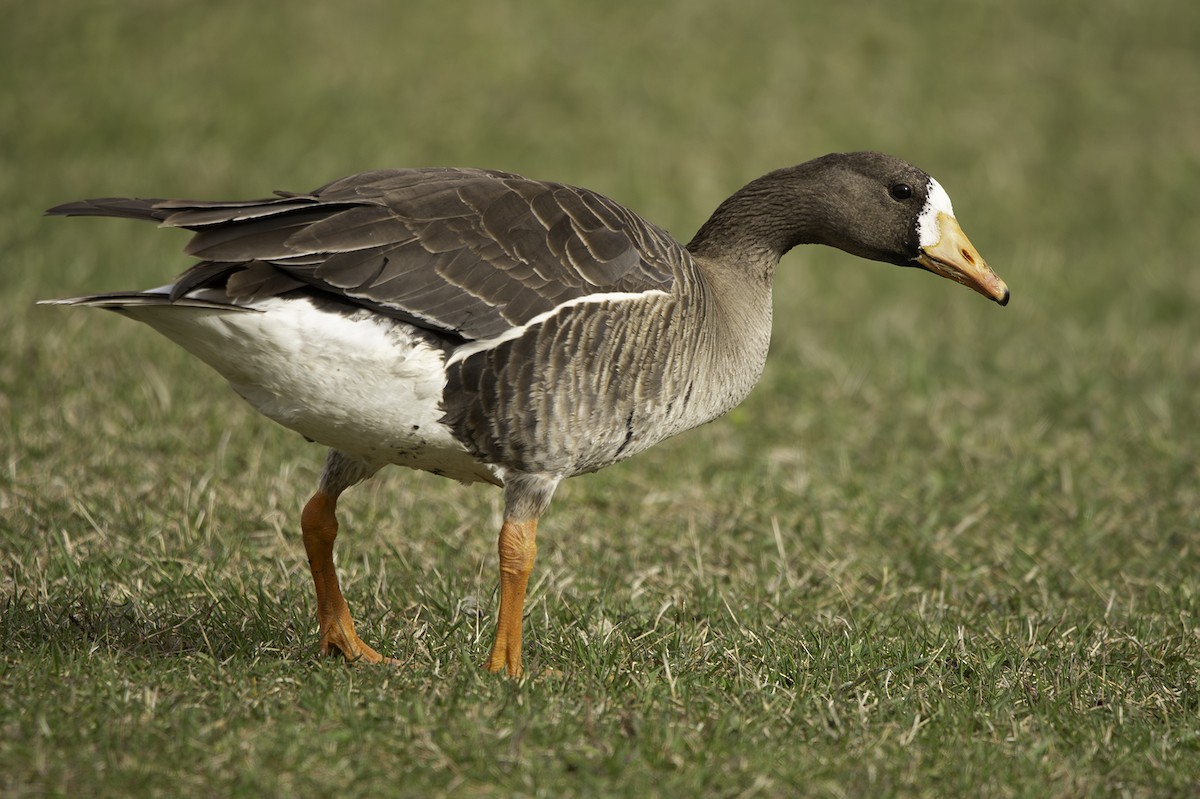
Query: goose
column 491, row 328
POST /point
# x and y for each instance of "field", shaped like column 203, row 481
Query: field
column 945, row 548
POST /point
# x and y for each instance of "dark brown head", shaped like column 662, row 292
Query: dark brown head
column 868, row 204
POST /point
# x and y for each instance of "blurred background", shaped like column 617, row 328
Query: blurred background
column 1067, row 135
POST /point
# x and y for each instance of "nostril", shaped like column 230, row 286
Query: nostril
column 970, row 258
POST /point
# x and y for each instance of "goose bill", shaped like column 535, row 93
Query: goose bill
column 954, row 257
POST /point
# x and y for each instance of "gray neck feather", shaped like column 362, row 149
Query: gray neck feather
column 758, row 224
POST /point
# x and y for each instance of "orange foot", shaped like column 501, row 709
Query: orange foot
column 518, row 549
column 319, row 526
column 353, row 649
column 339, row 638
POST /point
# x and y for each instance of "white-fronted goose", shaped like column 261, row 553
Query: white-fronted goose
column 490, row 328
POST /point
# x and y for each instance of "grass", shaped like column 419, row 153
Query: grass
column 944, row 549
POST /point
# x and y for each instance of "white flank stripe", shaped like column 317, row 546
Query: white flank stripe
column 467, row 350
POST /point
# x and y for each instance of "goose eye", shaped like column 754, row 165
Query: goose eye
column 901, row 191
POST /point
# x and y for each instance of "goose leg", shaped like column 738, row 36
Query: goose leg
column 526, row 497
column 518, row 549
column 318, row 524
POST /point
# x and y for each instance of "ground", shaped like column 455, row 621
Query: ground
column 944, row 549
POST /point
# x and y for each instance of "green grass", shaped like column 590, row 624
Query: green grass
column 945, row 549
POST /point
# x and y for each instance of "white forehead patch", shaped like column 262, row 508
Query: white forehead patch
column 937, row 201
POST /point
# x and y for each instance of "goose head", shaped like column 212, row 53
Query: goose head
column 868, row 204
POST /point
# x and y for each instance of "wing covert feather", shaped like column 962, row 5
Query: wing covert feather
column 464, row 251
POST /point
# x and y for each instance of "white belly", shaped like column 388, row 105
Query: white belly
column 358, row 383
